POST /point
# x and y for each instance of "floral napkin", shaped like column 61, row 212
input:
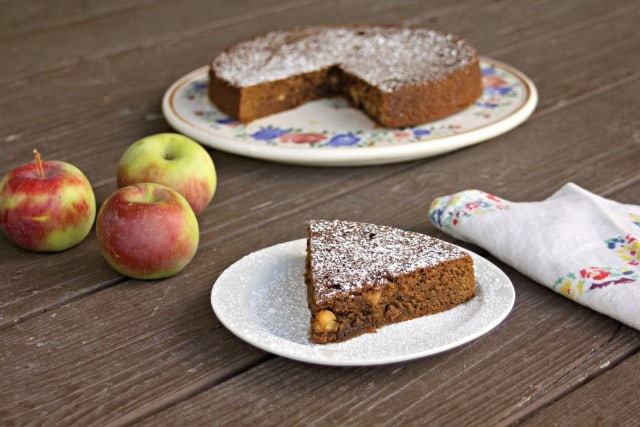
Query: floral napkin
column 579, row 244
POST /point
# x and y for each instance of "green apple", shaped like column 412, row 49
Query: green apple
column 147, row 231
column 46, row 206
column 173, row 160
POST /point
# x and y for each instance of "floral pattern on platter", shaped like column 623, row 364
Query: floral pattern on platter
column 503, row 94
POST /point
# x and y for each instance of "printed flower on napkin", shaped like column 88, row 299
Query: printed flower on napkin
column 579, row 244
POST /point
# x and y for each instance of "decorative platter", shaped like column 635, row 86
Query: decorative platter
column 261, row 298
column 328, row 132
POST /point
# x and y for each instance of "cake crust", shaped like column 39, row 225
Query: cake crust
column 399, row 76
column 361, row 276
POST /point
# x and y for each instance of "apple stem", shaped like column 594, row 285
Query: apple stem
column 36, row 154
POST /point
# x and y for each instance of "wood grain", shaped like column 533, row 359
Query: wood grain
column 81, row 345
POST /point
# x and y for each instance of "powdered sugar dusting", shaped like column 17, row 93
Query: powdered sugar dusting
column 262, row 299
column 387, row 57
column 347, row 255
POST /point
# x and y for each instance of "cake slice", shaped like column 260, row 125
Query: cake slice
column 361, row 276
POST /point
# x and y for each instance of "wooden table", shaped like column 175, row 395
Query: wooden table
column 82, row 345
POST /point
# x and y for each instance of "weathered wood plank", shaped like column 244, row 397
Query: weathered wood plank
column 289, row 190
column 34, row 52
column 109, row 346
column 609, row 399
column 87, row 142
column 178, row 309
column 512, row 365
column 534, row 355
column 93, row 104
column 19, row 19
column 81, row 345
column 67, row 285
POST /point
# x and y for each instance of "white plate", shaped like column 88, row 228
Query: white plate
column 262, row 299
column 327, row 132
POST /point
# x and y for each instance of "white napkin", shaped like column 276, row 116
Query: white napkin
column 579, row 244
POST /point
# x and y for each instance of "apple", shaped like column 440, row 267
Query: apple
column 46, row 206
column 147, row 231
column 173, row 160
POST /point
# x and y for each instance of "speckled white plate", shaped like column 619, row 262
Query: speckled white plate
column 327, row 132
column 262, row 299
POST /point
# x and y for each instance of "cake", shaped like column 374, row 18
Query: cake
column 398, row 76
column 360, row 277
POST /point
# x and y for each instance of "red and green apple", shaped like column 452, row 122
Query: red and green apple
column 147, row 231
column 46, row 205
column 173, row 160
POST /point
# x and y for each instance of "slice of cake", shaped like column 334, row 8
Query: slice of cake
column 361, row 276
column 398, row 76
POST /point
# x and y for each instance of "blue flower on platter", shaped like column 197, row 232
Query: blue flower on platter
column 499, row 91
column 267, row 134
column 487, row 104
column 200, row 86
column 343, row 139
column 419, row 133
column 226, row 120
column 489, row 71
column 196, row 89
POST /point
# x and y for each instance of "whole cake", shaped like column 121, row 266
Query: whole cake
column 399, row 76
column 361, row 276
